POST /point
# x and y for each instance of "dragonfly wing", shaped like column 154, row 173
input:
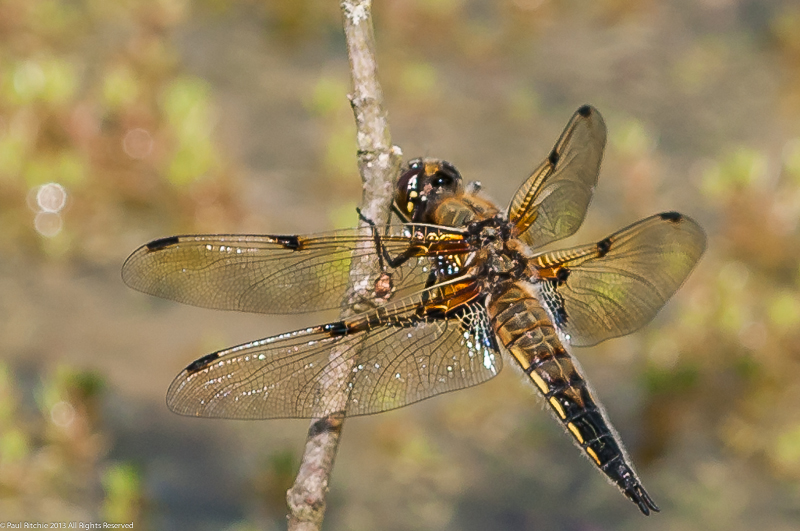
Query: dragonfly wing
column 374, row 362
column 270, row 274
column 552, row 202
column 615, row 286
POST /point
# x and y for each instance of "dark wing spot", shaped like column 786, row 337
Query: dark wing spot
column 202, row 363
column 603, row 246
column 289, row 242
column 674, row 217
column 337, row 329
column 556, row 305
column 554, row 302
column 585, row 111
column 430, row 313
column 562, row 274
column 162, row 243
column 553, row 157
column 561, row 316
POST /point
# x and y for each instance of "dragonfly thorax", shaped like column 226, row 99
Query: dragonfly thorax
column 501, row 256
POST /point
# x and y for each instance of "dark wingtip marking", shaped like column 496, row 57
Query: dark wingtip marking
column 162, row 243
column 674, row 217
column 289, row 242
column 202, row 363
column 585, row 111
column 603, row 246
column 553, row 157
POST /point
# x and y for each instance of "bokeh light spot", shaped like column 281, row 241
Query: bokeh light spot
column 48, row 224
column 137, row 143
column 62, row 413
column 51, row 197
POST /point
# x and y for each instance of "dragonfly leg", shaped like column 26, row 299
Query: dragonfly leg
column 380, row 249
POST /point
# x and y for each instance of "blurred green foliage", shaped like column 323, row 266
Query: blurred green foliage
column 123, row 491
column 53, row 458
column 77, row 77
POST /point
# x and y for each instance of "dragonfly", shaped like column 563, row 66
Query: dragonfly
column 461, row 281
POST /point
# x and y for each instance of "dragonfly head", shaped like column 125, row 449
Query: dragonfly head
column 423, row 185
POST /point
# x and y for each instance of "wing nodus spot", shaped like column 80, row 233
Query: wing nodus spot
column 289, row 242
column 162, row 243
column 603, row 246
column 337, row 329
column 202, row 363
column 673, row 217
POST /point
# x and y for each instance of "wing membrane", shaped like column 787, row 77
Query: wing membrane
column 380, row 360
column 613, row 287
column 552, row 203
column 276, row 274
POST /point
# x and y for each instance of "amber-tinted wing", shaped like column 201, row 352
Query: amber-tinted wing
column 552, row 203
column 611, row 288
column 276, row 274
column 373, row 362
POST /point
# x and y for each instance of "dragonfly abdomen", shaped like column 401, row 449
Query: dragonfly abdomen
column 524, row 327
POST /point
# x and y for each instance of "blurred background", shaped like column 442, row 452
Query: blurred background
column 125, row 121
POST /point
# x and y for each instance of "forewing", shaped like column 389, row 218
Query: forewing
column 266, row 274
column 552, row 203
column 371, row 363
column 615, row 286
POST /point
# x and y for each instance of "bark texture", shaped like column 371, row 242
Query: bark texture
column 378, row 163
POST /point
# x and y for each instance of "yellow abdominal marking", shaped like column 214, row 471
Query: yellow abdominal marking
column 539, row 382
column 576, row 433
column 593, row 456
column 410, row 207
column 521, row 358
column 412, row 194
column 557, row 407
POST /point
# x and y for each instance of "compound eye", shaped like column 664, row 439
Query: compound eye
column 441, row 180
column 407, row 188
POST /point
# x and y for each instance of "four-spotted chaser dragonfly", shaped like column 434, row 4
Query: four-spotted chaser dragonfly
column 461, row 283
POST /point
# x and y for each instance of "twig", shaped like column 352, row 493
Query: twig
column 378, row 162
